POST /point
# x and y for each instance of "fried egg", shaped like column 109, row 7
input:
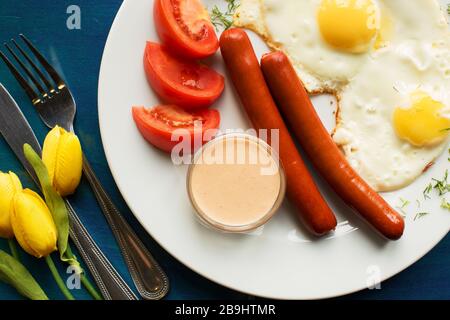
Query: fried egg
column 388, row 64
column 319, row 36
column 393, row 119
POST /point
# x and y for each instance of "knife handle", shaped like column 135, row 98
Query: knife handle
column 110, row 283
column 151, row 282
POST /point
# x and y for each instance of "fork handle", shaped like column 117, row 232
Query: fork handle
column 151, row 282
column 110, row 283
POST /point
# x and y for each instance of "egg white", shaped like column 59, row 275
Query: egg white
column 291, row 26
column 365, row 129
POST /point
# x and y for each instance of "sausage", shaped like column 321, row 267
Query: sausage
column 296, row 107
column 245, row 72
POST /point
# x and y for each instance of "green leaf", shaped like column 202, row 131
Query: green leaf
column 224, row 19
column 15, row 274
column 56, row 205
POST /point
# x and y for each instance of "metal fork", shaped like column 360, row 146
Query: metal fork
column 56, row 106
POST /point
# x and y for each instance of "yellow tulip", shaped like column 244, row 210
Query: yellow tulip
column 33, row 224
column 63, row 158
column 9, row 186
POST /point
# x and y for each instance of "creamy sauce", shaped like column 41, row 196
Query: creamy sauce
column 235, row 182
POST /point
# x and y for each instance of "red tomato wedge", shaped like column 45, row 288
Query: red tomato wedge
column 157, row 125
column 187, row 84
column 185, row 27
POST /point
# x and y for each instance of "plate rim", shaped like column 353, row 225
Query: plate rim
column 181, row 260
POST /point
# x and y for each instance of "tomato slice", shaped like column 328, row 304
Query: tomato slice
column 187, row 84
column 157, row 125
column 185, row 27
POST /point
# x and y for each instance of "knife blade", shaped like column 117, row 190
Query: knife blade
column 16, row 130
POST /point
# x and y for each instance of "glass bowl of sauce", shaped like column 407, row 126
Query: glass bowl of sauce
column 236, row 183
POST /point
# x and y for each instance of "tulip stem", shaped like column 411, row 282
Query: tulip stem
column 13, row 249
column 84, row 280
column 90, row 288
column 58, row 279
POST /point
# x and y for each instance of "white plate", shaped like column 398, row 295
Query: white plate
column 281, row 260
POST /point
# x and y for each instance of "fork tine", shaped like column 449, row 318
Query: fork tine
column 35, row 67
column 23, row 83
column 27, row 71
column 50, row 70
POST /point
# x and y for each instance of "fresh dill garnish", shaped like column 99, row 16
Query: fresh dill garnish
column 442, row 186
column 224, row 19
column 427, row 191
column 421, row 215
column 445, row 204
column 403, row 205
column 448, row 8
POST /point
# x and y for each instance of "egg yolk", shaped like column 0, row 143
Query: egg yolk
column 348, row 25
column 422, row 124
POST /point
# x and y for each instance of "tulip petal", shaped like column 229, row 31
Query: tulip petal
column 50, row 150
column 9, row 186
column 33, row 224
column 63, row 158
column 69, row 164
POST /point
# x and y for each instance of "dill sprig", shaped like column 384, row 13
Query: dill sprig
column 404, row 203
column 427, row 191
column 445, row 204
column 420, row 215
column 442, row 186
column 448, row 8
column 224, row 19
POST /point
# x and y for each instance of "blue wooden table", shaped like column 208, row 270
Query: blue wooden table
column 77, row 54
